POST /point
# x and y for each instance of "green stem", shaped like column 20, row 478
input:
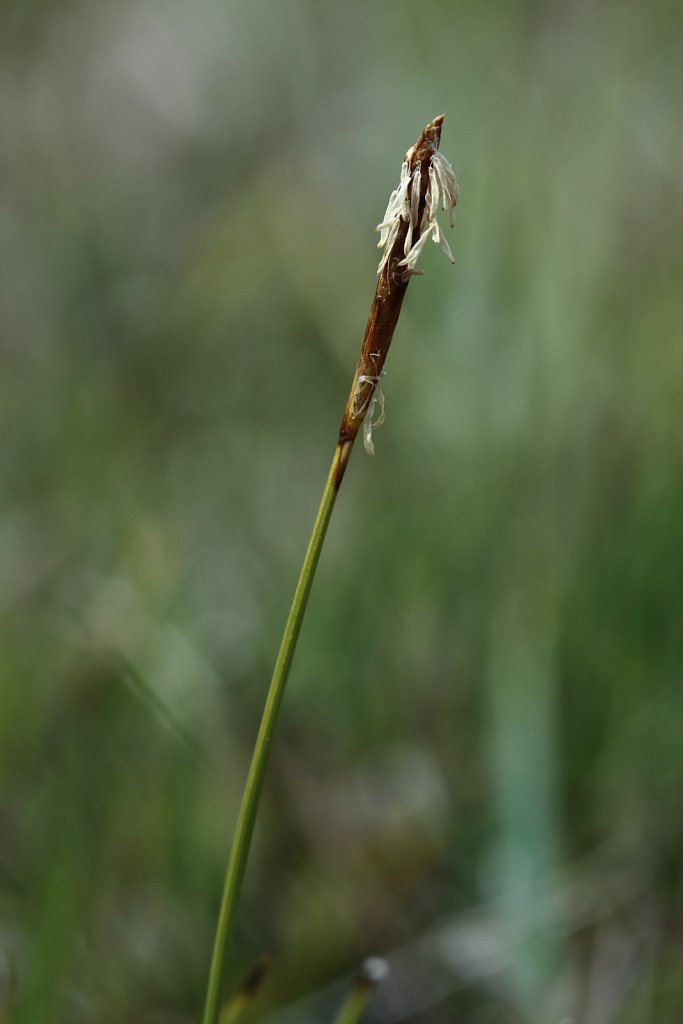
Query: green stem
column 244, row 828
column 354, row 1005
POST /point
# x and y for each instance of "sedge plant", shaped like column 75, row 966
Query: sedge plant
column 427, row 184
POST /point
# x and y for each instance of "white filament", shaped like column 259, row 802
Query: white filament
column 402, row 206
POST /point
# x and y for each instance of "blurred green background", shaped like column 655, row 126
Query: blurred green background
column 478, row 769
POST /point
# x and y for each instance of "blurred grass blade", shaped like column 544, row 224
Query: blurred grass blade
column 150, row 699
column 374, row 970
column 235, row 1007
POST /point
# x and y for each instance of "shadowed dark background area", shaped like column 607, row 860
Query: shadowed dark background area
column 477, row 772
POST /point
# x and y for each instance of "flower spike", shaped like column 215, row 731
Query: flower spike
column 426, row 184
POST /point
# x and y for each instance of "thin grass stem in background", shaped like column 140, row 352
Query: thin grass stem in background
column 238, row 1004
column 373, row 971
column 427, row 182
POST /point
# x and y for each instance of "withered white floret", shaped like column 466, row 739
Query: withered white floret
column 369, row 423
column 404, row 204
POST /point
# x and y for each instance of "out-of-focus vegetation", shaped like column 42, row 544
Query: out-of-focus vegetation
column 478, row 770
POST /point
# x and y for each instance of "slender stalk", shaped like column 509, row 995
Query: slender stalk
column 426, row 178
column 252, row 790
column 352, row 1009
column 354, row 1005
column 238, row 1005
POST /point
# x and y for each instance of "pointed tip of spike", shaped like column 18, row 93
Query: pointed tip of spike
column 429, row 140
